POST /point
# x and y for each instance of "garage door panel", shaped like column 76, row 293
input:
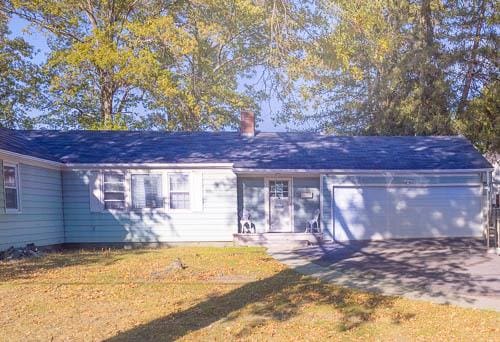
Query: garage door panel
column 381, row 213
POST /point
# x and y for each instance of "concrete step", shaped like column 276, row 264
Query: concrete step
column 286, row 245
column 269, row 239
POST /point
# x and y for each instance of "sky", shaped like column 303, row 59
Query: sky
column 19, row 27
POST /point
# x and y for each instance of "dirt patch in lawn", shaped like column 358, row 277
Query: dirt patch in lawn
column 233, row 279
column 221, row 293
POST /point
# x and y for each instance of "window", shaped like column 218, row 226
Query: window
column 278, row 189
column 11, row 187
column 146, row 191
column 179, row 191
column 114, row 190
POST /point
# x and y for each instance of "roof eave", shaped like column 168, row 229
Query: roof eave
column 29, row 159
column 333, row 171
column 149, row 165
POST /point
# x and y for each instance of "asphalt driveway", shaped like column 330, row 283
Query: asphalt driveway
column 457, row 271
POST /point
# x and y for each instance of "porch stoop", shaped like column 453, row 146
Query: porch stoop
column 265, row 239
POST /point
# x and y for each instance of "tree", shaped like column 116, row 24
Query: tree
column 470, row 34
column 19, row 79
column 374, row 70
column 219, row 44
column 397, row 68
column 94, row 68
column 471, row 40
column 481, row 122
column 173, row 65
column 340, row 66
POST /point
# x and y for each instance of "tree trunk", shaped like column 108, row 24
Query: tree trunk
column 426, row 13
column 471, row 65
column 427, row 67
column 107, row 94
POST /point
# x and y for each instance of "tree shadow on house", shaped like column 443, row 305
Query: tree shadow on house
column 126, row 231
column 274, row 299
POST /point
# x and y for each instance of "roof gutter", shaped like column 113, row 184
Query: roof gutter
column 357, row 171
column 79, row 166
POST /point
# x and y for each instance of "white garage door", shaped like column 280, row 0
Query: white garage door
column 370, row 213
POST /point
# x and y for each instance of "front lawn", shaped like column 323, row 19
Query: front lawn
column 223, row 294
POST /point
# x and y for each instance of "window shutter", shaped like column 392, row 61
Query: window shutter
column 197, row 191
column 95, row 192
column 2, row 190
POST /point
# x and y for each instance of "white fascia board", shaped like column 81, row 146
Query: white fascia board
column 29, row 160
column 244, row 171
column 282, row 173
column 84, row 166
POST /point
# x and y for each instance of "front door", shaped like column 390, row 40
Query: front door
column 279, row 206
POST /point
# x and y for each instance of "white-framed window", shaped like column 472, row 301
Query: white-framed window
column 11, row 187
column 278, row 188
column 179, row 194
column 146, row 191
column 113, row 190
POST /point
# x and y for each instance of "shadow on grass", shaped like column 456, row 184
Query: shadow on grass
column 27, row 268
column 276, row 298
column 455, row 268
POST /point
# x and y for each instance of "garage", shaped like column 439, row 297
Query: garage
column 406, row 207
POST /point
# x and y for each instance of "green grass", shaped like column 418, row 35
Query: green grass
column 223, row 294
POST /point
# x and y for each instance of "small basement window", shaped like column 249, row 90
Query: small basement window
column 146, row 191
column 11, row 187
column 114, row 190
column 179, row 191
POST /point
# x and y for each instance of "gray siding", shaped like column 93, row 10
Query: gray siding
column 251, row 196
column 304, row 208
column 41, row 218
column 2, row 193
column 217, row 221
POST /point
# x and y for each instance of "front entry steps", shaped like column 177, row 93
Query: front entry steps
column 270, row 239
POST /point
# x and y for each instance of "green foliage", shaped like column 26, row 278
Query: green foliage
column 481, row 122
column 19, row 79
column 95, row 68
column 373, row 72
column 341, row 66
column 149, row 64
column 218, row 44
column 396, row 68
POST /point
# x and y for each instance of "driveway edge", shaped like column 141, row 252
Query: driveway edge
column 306, row 267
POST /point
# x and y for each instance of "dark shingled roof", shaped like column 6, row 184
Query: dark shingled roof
column 264, row 151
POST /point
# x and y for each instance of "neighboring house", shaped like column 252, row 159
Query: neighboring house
column 494, row 159
column 116, row 186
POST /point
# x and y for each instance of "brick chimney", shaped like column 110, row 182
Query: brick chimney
column 247, row 123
